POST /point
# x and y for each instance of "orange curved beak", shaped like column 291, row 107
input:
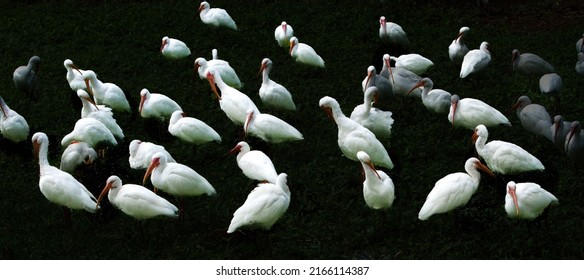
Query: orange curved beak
column 107, row 187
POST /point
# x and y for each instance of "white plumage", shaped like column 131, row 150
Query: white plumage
column 458, row 49
column 378, row 188
column 283, row 33
column 191, row 130
column 108, row 94
column 305, row 54
column 254, row 164
column 156, row 105
column 99, row 112
column 227, row 72
column 141, row 153
column 91, row 131
column 174, row 48
column 215, row 16
column 393, row 33
column 74, row 76
column 270, row 128
column 264, row 206
column 435, row 100
column 374, row 119
column 470, row 112
column 13, row 126
column 475, row 60
column 233, row 102
column 413, row 62
column 76, row 154
column 527, row 200
column 25, row 77
column 274, row 95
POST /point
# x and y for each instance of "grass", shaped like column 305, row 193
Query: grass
column 327, row 218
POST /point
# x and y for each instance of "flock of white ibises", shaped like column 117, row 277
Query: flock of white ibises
column 359, row 134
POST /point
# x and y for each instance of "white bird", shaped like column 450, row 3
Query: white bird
column 255, row 165
column 75, row 155
column 383, row 84
column 504, row 157
column 551, row 85
column 74, row 76
column 91, row 131
column 374, row 119
column 458, row 49
column 176, row 179
column 534, row 117
column 305, row 54
column 141, row 153
column 191, row 130
column 156, row 105
column 574, row 144
column 558, row 131
column 136, row 201
column 378, row 188
column 353, row 137
column 527, row 200
column 227, row 72
column 393, row 33
column 453, row 190
column 273, row 94
column 58, row 186
column 435, row 100
column 216, row 17
column 174, row 48
column 530, row 65
column 580, row 44
column 475, row 60
column 283, row 33
column 401, row 79
column 580, row 64
column 470, row 112
column 102, row 114
column 264, row 206
column 108, row 94
column 25, row 77
column 413, row 62
column 270, row 128
column 233, row 102
column 13, row 126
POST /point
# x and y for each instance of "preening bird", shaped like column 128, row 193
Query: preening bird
column 374, row 119
column 191, row 130
column 13, row 126
column 527, row 200
column 25, row 77
column 136, row 201
column 99, row 112
column 393, row 34
column 75, row 155
column 141, row 153
column 107, row 94
column 74, row 76
column 215, row 16
column 475, row 60
column 305, row 54
column 458, row 49
column 454, row 190
column 174, row 48
column 233, row 102
column 435, row 100
column 255, row 165
column 264, row 206
column 91, row 131
column 270, row 128
column 378, row 188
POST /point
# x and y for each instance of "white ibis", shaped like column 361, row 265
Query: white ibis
column 530, row 65
column 534, row 117
column 156, row 105
column 580, row 44
column 414, row 62
column 504, row 157
column 559, row 130
column 263, row 207
column 580, row 64
column 74, row 76
column 13, row 126
column 393, row 34
column 108, row 94
column 215, row 16
column 233, row 102
column 458, row 49
column 435, row 100
column 305, row 54
column 574, row 145
column 102, row 114
column 402, row 80
column 91, row 131
column 58, row 186
column 174, row 49
column 136, row 201
column 453, row 190
column 176, row 179
column 551, row 85
column 527, row 200
column 353, row 137
column 270, row 128
column 378, row 188
column 470, row 112
column 227, row 72
column 273, row 94
column 141, row 153
column 383, row 84
column 283, row 33
column 25, row 77
column 475, row 60
column 191, row 130
column 75, row 155
column 255, row 165
column 374, row 119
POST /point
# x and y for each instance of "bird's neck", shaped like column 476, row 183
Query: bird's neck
column 43, row 158
column 266, row 75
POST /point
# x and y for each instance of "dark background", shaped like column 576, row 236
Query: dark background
column 327, row 217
